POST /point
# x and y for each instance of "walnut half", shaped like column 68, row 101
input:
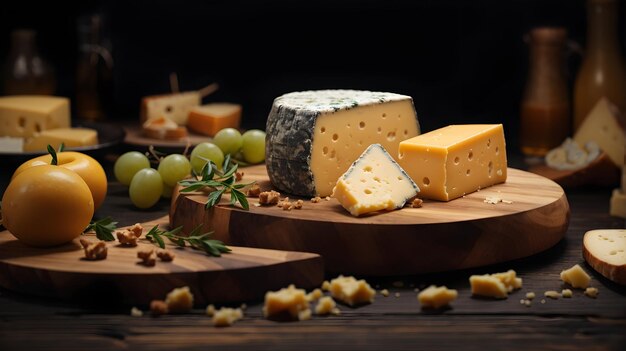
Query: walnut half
column 94, row 251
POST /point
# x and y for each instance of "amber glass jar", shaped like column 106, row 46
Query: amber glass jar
column 545, row 108
column 602, row 73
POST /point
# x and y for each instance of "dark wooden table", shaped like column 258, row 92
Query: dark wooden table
column 394, row 322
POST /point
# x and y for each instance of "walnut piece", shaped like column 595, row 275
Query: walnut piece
column 147, row 257
column 94, row 251
column 298, row 204
column 254, row 190
column 269, row 197
column 316, row 199
column 129, row 237
column 417, row 203
column 165, row 255
column 238, row 176
column 158, row 307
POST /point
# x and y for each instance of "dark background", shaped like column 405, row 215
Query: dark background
column 461, row 61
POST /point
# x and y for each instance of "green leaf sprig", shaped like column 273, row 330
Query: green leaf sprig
column 53, row 153
column 104, row 228
column 221, row 181
column 195, row 240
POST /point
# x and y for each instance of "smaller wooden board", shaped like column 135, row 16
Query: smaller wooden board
column 245, row 274
column 601, row 172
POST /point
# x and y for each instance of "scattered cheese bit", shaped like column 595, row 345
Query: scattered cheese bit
column 351, row 291
column 576, row 277
column 436, row 297
column 384, row 292
column 135, row 312
column 567, row 293
column 325, row 306
column 327, row 198
column 287, row 303
column 497, row 285
column 326, row 285
column 592, row 292
column 158, row 307
column 225, row 317
column 179, row 300
column 543, row 301
column 304, row 315
column 314, row 295
column 530, row 295
column 397, row 294
column 210, row 310
column 552, row 294
column 316, row 199
column 527, row 303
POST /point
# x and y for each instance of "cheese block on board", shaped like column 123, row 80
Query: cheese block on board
column 314, row 136
column 173, row 106
column 71, row 137
column 211, row 118
column 603, row 127
column 374, row 182
column 450, row 162
column 605, row 251
column 26, row 115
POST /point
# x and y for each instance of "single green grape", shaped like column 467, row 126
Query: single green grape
column 173, row 168
column 146, row 188
column 253, row 148
column 203, row 152
column 128, row 164
column 229, row 140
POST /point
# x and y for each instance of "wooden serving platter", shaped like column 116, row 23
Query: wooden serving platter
column 440, row 236
column 245, row 274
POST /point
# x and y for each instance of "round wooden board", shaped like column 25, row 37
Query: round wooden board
column 245, row 274
column 440, row 236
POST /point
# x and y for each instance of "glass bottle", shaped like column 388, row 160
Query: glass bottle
column 25, row 71
column 545, row 107
column 94, row 73
column 602, row 73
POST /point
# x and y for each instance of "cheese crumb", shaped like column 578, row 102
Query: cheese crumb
column 497, row 285
column 552, row 294
column 135, row 312
column 592, row 292
column 543, row 301
column 495, row 200
column 527, row 303
column 326, row 285
column 327, row 198
column 287, row 303
column 225, row 317
column 314, row 295
column 351, row 291
column 567, row 293
column 179, row 300
column 325, row 306
column 316, row 199
column 384, row 292
column 576, row 277
column 210, row 310
column 158, row 307
column 530, row 295
column 436, row 297
column 397, row 294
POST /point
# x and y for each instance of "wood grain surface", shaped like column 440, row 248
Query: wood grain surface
column 440, row 236
column 244, row 274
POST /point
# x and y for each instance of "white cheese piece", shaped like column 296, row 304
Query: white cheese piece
column 10, row 144
column 374, row 182
column 27, row 115
column 173, row 106
column 576, row 277
column 605, row 251
column 314, row 136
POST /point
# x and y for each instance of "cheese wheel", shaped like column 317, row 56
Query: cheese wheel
column 314, row 136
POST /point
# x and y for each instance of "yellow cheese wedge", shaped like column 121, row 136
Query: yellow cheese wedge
column 455, row 160
column 603, row 127
column 26, row 115
column 211, row 118
column 71, row 137
column 374, row 182
column 173, row 106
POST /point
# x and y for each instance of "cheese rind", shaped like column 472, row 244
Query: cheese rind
column 450, row 162
column 436, row 296
column 70, row 137
column 605, row 251
column 26, row 115
column 603, row 127
column 211, row 118
column 314, row 136
column 173, row 106
column 374, row 182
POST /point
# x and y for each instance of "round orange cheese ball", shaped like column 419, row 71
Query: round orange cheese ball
column 84, row 165
column 47, row 205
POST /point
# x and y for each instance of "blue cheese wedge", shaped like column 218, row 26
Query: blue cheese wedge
column 374, row 182
column 314, row 136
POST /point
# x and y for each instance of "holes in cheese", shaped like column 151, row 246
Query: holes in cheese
column 313, row 137
column 26, row 115
column 381, row 185
column 457, row 160
column 604, row 250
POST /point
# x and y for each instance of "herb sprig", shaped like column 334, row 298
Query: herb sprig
column 53, row 153
column 195, row 240
column 104, row 228
column 221, row 181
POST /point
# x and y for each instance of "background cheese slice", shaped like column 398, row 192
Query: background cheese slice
column 314, row 136
column 71, row 137
column 374, row 182
column 450, row 162
column 211, row 118
column 603, row 126
column 605, row 251
column 26, row 115
column 173, row 106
